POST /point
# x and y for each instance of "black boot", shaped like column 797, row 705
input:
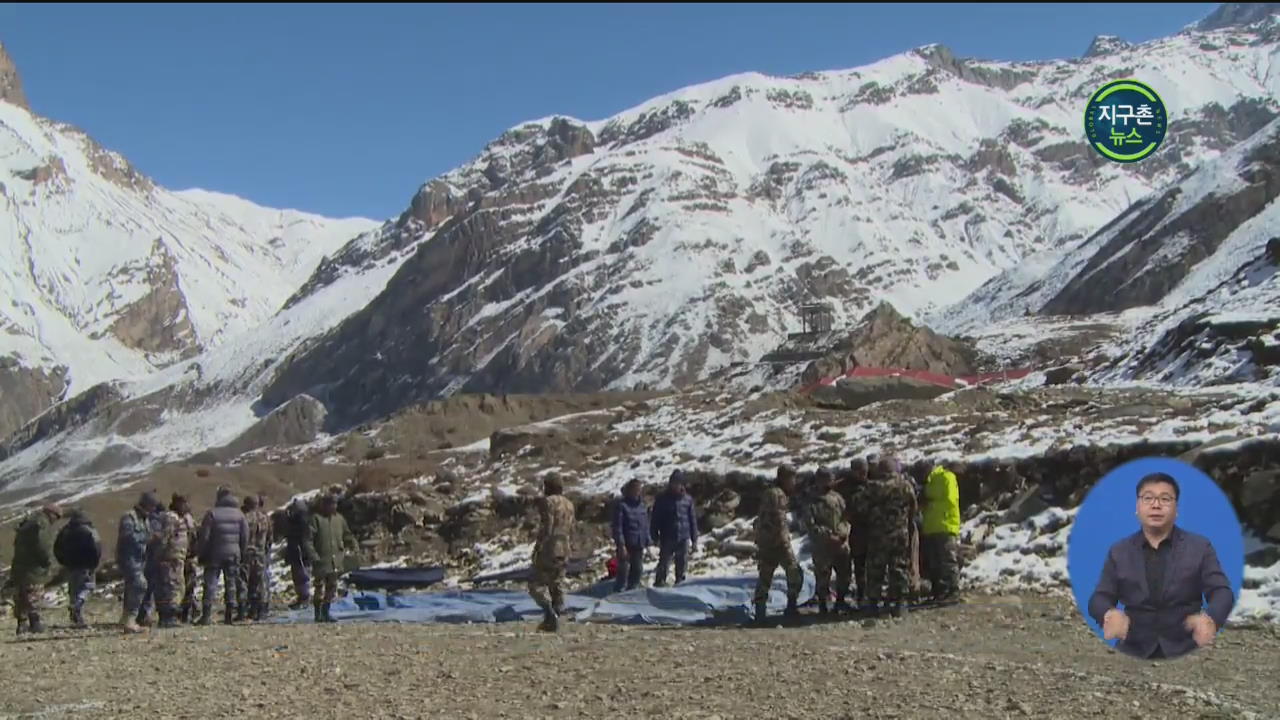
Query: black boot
column 898, row 609
column 240, row 613
column 841, row 606
column 550, row 621
column 205, row 615
column 325, row 616
column 319, row 612
column 228, row 616
column 168, row 618
column 822, row 606
column 792, row 610
column 184, row 613
column 77, row 618
column 36, row 625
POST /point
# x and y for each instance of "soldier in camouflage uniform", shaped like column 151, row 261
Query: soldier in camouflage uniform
column 892, row 505
column 170, row 578
column 854, row 492
column 773, row 544
column 265, row 609
column 151, row 567
column 829, row 541
column 190, row 568
column 32, row 566
column 551, row 552
column 131, row 554
column 255, row 560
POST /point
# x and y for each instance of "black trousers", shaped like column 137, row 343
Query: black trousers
column 630, row 569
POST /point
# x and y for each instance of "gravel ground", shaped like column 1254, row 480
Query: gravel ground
column 994, row 657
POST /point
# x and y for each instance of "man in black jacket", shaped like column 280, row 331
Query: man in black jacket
column 78, row 548
column 297, row 522
column 1164, row 576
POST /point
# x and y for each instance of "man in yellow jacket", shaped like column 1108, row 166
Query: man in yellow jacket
column 941, row 528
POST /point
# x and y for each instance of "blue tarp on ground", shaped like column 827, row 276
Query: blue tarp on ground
column 700, row 601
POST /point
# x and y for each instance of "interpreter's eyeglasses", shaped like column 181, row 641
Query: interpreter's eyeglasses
column 1150, row 500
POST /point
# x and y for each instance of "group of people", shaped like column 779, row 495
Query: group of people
column 871, row 527
column 865, row 527
column 868, row 527
column 162, row 555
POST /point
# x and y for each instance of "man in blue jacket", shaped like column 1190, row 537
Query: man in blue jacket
column 675, row 529
column 630, row 536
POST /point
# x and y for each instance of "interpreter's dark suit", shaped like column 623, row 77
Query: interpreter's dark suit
column 1191, row 572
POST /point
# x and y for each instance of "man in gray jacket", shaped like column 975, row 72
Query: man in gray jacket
column 131, row 554
column 224, row 536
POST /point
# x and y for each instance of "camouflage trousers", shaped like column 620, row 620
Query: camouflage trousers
column 889, row 568
column 27, row 600
column 168, row 582
column 135, row 588
column 230, row 572
column 326, row 588
column 768, row 560
column 254, row 573
column 940, row 559
column 79, row 585
column 546, row 584
column 828, row 558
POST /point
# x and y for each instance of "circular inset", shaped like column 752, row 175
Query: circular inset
column 1194, row 571
column 1125, row 121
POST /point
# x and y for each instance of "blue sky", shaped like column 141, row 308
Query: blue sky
column 346, row 109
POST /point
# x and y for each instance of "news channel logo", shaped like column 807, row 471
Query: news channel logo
column 1125, row 121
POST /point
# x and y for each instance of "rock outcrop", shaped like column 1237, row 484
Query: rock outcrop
column 62, row 417
column 297, row 422
column 26, row 393
column 10, row 82
column 884, row 338
column 856, row 392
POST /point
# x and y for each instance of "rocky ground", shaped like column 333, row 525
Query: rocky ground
column 997, row 657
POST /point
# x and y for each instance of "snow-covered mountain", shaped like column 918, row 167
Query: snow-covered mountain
column 1189, row 277
column 105, row 275
column 662, row 244
column 659, row 245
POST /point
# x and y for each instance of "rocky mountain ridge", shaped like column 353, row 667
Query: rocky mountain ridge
column 107, row 276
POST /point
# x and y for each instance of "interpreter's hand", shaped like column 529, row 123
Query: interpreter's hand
column 1202, row 628
column 1115, row 625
